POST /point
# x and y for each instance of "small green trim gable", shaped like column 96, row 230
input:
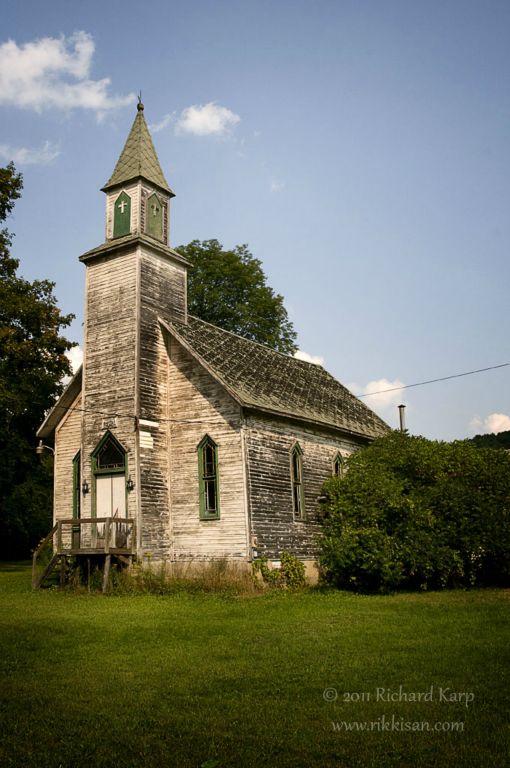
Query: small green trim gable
column 109, row 456
column 122, row 215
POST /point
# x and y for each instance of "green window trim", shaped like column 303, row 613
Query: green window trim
column 154, row 217
column 122, row 215
column 208, row 479
column 338, row 465
column 109, row 457
column 296, row 479
column 76, row 485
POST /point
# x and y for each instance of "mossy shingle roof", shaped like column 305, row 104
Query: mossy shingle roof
column 261, row 378
column 138, row 158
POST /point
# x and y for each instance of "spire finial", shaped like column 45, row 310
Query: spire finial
column 140, row 105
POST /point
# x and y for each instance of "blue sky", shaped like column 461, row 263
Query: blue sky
column 360, row 149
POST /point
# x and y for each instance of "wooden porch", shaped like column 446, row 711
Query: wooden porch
column 98, row 538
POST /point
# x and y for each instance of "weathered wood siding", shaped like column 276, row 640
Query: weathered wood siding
column 268, row 446
column 201, row 406
column 67, row 445
column 162, row 293
column 111, row 347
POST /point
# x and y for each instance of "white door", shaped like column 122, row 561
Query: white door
column 111, row 502
column 110, row 496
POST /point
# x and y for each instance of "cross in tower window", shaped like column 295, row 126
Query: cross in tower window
column 122, row 206
column 154, row 209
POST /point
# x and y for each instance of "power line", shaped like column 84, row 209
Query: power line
column 132, row 417
column 210, row 421
column 433, row 381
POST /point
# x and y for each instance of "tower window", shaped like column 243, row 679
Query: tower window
column 122, row 215
column 296, row 477
column 208, row 479
column 154, row 217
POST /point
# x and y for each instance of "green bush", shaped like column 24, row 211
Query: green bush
column 411, row 513
column 290, row 575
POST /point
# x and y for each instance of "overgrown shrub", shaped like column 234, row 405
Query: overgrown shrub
column 290, row 575
column 411, row 513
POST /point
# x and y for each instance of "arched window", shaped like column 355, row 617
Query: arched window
column 109, row 471
column 209, row 498
column 296, row 478
column 122, row 215
column 154, row 217
column 338, row 465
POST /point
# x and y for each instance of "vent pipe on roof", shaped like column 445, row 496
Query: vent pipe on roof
column 402, row 416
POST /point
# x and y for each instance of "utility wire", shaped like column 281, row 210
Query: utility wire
column 433, row 381
column 209, row 421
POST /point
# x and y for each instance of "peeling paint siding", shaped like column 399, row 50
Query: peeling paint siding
column 67, row 445
column 268, row 446
column 109, row 361
column 195, row 395
column 162, row 292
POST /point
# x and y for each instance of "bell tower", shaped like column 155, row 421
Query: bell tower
column 132, row 280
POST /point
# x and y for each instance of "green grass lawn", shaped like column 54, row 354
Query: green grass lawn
column 194, row 680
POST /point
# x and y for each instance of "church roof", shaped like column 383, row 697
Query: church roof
column 263, row 379
column 138, row 158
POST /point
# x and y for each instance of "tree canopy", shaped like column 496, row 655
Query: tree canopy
column 228, row 288
column 412, row 513
column 493, row 440
column 32, row 365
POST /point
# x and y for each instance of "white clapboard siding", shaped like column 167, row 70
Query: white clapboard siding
column 269, row 442
column 201, row 406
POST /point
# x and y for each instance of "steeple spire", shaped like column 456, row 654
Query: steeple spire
column 138, row 159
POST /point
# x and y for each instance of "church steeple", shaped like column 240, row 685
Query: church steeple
column 137, row 193
column 138, row 159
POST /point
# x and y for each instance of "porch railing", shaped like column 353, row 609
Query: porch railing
column 82, row 536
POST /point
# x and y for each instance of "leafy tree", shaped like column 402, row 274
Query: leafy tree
column 228, row 289
column 32, row 364
column 413, row 513
column 493, row 440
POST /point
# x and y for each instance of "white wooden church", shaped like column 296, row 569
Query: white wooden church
column 178, row 440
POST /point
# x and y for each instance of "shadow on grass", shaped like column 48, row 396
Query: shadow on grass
column 14, row 566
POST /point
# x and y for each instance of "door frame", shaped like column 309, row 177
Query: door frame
column 97, row 471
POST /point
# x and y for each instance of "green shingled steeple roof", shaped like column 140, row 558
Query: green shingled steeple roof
column 138, row 158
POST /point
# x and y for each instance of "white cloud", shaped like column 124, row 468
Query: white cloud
column 206, row 120
column 315, row 359
column 75, row 356
column 163, row 123
column 276, row 186
column 54, row 73
column 495, row 422
column 30, row 156
column 383, row 393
